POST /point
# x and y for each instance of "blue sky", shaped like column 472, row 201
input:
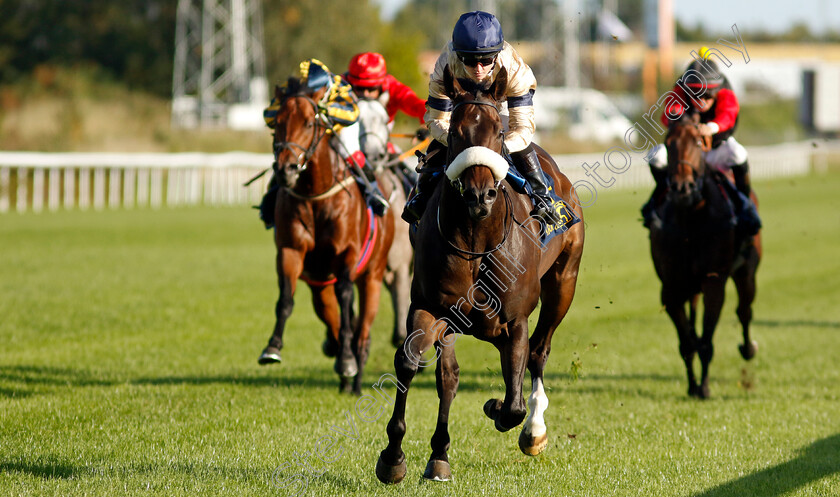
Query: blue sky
column 771, row 15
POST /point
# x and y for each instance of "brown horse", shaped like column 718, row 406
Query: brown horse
column 480, row 268
column 697, row 248
column 324, row 235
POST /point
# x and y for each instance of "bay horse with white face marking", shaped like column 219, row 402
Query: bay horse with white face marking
column 325, row 235
column 480, row 268
column 697, row 247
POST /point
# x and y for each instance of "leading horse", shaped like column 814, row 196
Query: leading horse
column 480, row 268
column 324, row 234
column 697, row 247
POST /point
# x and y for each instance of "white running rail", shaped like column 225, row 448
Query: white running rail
column 31, row 181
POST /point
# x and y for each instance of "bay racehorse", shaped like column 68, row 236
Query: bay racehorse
column 697, row 247
column 480, row 268
column 324, row 234
column 373, row 139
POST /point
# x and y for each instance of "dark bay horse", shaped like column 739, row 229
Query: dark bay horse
column 325, row 235
column 480, row 268
column 697, row 248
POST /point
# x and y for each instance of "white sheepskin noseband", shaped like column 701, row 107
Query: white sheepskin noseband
column 478, row 156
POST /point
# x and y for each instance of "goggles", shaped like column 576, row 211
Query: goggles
column 472, row 61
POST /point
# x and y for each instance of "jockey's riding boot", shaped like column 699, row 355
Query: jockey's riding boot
column 748, row 221
column 419, row 196
column 528, row 164
column 373, row 195
column 741, row 172
column 268, row 202
column 649, row 207
column 427, row 180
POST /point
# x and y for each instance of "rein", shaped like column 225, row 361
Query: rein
column 507, row 224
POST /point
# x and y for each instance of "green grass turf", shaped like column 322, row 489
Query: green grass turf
column 130, row 338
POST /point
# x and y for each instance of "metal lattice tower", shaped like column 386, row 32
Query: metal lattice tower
column 219, row 71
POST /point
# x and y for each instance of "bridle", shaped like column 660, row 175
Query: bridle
column 704, row 143
column 450, row 154
column 508, row 219
column 508, row 223
column 321, row 130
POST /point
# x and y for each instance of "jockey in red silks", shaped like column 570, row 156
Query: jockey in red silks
column 705, row 90
column 369, row 77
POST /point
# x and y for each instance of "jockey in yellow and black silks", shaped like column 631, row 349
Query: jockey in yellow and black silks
column 340, row 106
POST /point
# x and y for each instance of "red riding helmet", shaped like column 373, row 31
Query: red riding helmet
column 367, row 70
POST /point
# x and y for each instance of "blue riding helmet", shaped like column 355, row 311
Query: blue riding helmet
column 478, row 33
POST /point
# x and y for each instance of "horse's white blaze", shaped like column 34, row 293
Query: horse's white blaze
column 475, row 156
column 537, row 404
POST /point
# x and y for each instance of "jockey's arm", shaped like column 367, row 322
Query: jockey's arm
column 520, row 94
column 403, row 98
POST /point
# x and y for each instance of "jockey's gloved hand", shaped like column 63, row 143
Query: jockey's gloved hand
column 422, row 133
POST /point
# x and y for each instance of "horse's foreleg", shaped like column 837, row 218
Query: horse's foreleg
column 345, row 361
column 514, row 356
column 391, row 467
column 370, row 287
column 713, row 288
column 558, row 290
column 687, row 336
column 289, row 267
column 446, row 375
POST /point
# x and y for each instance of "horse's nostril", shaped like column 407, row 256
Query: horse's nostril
column 491, row 194
column 470, row 197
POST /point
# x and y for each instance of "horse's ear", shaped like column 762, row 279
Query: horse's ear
column 499, row 87
column 451, row 86
column 278, row 92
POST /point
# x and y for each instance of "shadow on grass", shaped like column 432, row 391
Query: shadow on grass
column 816, row 461
column 791, row 323
column 47, row 471
column 24, row 381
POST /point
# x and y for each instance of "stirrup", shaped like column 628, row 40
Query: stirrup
column 378, row 204
column 543, row 208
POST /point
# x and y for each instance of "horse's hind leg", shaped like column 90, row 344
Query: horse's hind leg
column 391, row 467
column 326, row 307
column 744, row 278
column 345, row 361
column 289, row 267
column 446, row 375
column 370, row 288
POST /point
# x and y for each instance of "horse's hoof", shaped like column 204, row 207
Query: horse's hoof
column 699, row 391
column 492, row 409
column 748, row 350
column 270, row 355
column 329, row 348
column 390, row 474
column 437, row 470
column 532, row 446
column 346, row 368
